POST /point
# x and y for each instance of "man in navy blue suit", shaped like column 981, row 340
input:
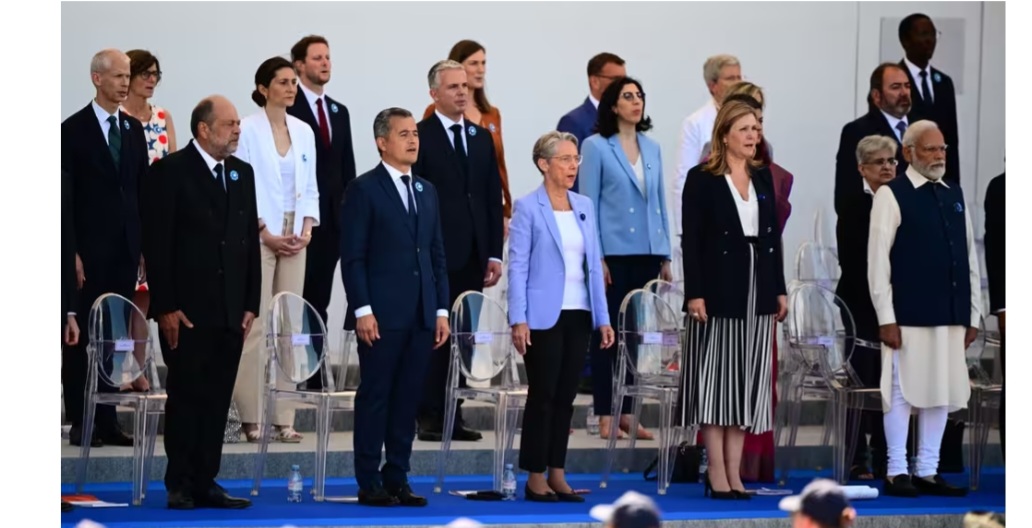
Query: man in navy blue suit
column 602, row 70
column 396, row 278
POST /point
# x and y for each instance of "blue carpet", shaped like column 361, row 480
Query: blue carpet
column 682, row 502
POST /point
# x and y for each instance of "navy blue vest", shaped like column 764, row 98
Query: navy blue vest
column 931, row 285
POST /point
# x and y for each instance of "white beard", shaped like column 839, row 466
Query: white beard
column 934, row 173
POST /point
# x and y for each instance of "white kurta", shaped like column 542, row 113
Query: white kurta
column 932, row 364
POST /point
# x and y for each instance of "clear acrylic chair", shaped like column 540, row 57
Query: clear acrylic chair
column 817, row 263
column 112, row 360
column 482, row 351
column 296, row 341
column 986, row 389
column 649, row 335
column 824, row 231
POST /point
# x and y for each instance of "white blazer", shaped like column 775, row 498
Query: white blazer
column 258, row 148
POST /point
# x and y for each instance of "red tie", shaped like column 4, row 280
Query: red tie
column 324, row 125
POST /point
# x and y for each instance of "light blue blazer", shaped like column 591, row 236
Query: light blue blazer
column 537, row 269
column 631, row 220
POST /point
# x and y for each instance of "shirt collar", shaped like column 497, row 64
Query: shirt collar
column 448, row 122
column 893, row 120
column 210, row 161
column 593, row 100
column 915, row 72
column 312, row 96
column 102, row 115
column 867, row 186
column 918, row 180
column 395, row 173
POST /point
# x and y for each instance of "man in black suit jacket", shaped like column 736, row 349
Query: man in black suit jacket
column 996, row 269
column 334, row 169
column 458, row 157
column 105, row 155
column 201, row 242
column 889, row 103
column 395, row 274
column 935, row 97
column 69, row 288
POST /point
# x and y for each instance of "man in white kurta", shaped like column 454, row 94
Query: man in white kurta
column 920, row 238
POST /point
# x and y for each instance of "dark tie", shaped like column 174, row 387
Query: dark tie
column 114, row 137
column 926, row 93
column 324, row 125
column 411, row 199
column 460, row 147
column 902, row 127
column 219, row 176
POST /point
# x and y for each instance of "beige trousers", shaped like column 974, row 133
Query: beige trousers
column 279, row 274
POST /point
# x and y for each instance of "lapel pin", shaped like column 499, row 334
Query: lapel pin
column 582, row 217
column 762, row 196
column 333, row 108
column 648, row 166
column 418, row 186
column 491, row 127
column 126, row 122
column 234, row 175
column 937, row 77
column 958, row 207
column 472, row 131
column 304, row 158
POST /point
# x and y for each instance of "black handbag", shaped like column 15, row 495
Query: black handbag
column 686, row 464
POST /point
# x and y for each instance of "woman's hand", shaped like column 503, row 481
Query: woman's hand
column 782, row 308
column 284, row 246
column 608, row 336
column 521, row 337
column 608, row 279
column 697, row 310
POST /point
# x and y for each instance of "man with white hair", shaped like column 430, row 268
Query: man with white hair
column 631, row 510
column 925, row 286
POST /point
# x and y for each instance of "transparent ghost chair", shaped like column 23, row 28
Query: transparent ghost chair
column 482, row 352
column 112, row 361
column 649, row 337
column 818, row 264
column 986, row 389
column 297, row 343
column 824, row 231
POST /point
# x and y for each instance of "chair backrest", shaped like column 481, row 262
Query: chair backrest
column 817, row 263
column 296, row 337
column 482, row 341
column 817, row 332
column 112, row 347
column 649, row 334
column 671, row 294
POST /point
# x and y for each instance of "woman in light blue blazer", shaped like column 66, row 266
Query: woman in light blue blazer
column 622, row 173
column 556, row 297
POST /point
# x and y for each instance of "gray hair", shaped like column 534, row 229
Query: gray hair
column 711, row 70
column 546, row 145
column 382, row 122
column 102, row 60
column 434, row 77
column 874, row 143
column 916, row 130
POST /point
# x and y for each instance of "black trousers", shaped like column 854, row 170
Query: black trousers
column 553, row 365
column 628, row 273
column 115, row 276
column 201, row 375
column 393, row 370
column 323, row 253
column 431, row 411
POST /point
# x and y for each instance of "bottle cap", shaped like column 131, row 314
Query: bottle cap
column 295, row 467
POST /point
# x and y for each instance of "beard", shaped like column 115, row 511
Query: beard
column 932, row 171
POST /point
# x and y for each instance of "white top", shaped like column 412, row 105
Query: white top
column 575, row 293
column 286, row 167
column 639, row 172
column 748, row 210
column 696, row 132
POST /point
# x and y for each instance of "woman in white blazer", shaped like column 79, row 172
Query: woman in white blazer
column 281, row 149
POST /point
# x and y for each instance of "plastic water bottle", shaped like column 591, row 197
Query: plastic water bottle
column 703, row 465
column 509, row 483
column 294, row 484
column 592, row 422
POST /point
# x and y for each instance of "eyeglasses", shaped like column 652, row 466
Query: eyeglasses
column 147, row 75
column 933, row 149
column 568, row 159
column 892, row 162
column 629, row 96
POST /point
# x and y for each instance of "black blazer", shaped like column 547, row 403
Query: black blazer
column 852, row 232
column 943, row 110
column 400, row 272
column 69, row 287
column 334, row 165
column 201, row 242
column 996, row 242
column 471, row 210
column 106, row 208
column 716, row 253
column 848, row 182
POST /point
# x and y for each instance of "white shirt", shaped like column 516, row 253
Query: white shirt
column 593, row 100
column 102, row 117
column 639, row 173
column 696, row 132
column 448, row 123
column 748, row 210
column 915, row 72
column 286, row 166
column 312, row 97
column 403, row 193
column 893, row 121
column 575, row 292
column 210, row 161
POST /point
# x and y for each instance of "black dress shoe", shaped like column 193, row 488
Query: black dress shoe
column 405, row 497
column 66, row 507
column 178, row 500
column 938, row 486
column 216, row 497
column 376, row 496
column 75, row 438
column 901, row 486
column 464, row 434
column 117, row 438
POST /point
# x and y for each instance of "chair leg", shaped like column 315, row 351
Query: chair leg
column 501, row 434
column 139, row 450
column 666, row 433
column 153, row 420
column 446, row 434
column 90, row 408
column 322, row 439
column 265, row 430
column 614, row 429
column 635, row 420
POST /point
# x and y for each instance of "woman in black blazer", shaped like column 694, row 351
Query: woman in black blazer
column 734, row 287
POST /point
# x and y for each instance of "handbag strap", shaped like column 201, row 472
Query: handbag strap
column 652, row 465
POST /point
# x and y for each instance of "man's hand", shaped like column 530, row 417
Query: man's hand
column 247, row 323
column 970, row 336
column 71, row 332
column 608, row 337
column 367, row 330
column 80, row 275
column 890, row 335
column 521, row 337
column 442, row 332
column 493, row 273
column 169, row 325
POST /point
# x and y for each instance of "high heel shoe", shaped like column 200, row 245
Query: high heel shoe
column 720, row 495
column 741, row 495
column 538, row 497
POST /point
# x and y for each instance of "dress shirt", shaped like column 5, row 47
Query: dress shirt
column 748, row 210
column 893, row 121
column 102, row 117
column 312, row 97
column 209, row 160
column 593, row 100
column 696, row 132
column 403, row 193
column 915, row 72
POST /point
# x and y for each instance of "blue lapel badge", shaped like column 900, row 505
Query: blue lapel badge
column 937, row 77
column 582, row 217
column 333, row 108
column 418, row 186
column 491, row 127
column 958, row 207
column 304, row 158
column 472, row 131
column 126, row 122
column 761, row 197
column 234, row 175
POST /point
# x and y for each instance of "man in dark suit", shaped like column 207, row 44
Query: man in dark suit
column 889, row 101
column 935, row 97
column 602, row 70
column 105, row 155
column 334, row 169
column 69, row 326
column 201, row 242
column 458, row 157
column 394, row 270
column 996, row 271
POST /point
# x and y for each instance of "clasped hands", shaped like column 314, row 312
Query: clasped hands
column 285, row 246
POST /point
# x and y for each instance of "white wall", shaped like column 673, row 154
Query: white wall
column 812, row 59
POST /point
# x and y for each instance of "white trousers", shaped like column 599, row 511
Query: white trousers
column 931, row 423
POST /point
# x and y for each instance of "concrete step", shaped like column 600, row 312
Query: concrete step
column 586, row 455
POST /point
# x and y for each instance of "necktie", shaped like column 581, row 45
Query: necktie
column 219, row 177
column 114, row 141
column 902, row 127
column 926, row 93
column 460, row 147
column 324, row 125
column 411, row 200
